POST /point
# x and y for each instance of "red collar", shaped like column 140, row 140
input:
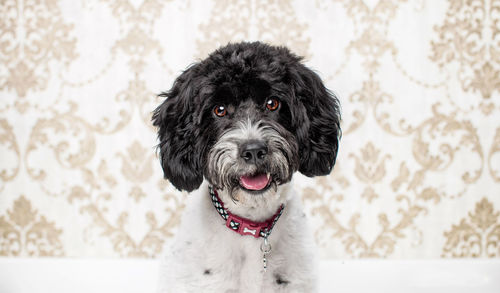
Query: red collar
column 241, row 225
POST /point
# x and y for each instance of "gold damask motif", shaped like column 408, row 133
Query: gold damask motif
column 139, row 97
column 355, row 245
column 95, row 203
column 457, row 135
column 370, row 169
column 475, row 236
column 136, row 164
column 411, row 188
column 95, row 196
column 23, row 232
column 149, row 246
column 384, row 244
column 137, row 43
column 378, row 14
column 272, row 21
column 470, row 36
column 372, row 97
column 143, row 14
column 65, row 151
column 438, row 143
column 33, row 37
column 137, row 26
column 70, row 138
column 10, row 152
column 137, row 167
column 73, row 141
column 371, row 42
column 494, row 152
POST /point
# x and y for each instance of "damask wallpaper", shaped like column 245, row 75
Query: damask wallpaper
column 418, row 173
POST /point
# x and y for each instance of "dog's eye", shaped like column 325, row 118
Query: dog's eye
column 272, row 104
column 220, row 111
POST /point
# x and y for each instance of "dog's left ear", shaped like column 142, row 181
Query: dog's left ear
column 318, row 128
column 177, row 120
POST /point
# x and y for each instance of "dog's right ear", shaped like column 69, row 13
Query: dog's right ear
column 179, row 147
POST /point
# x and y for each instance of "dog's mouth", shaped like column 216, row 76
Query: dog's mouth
column 256, row 183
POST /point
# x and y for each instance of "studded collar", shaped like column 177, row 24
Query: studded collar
column 241, row 225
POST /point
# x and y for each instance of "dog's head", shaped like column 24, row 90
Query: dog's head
column 246, row 118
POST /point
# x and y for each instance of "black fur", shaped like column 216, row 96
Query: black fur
column 318, row 128
column 235, row 74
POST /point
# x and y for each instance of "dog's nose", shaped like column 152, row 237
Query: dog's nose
column 253, row 152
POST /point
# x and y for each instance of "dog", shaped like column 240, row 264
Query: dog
column 232, row 131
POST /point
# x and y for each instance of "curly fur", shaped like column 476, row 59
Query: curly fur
column 196, row 145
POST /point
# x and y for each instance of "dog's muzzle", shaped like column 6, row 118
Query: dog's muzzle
column 252, row 156
column 254, row 153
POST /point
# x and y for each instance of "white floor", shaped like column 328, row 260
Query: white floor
column 350, row 276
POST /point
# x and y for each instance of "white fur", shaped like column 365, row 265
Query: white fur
column 203, row 243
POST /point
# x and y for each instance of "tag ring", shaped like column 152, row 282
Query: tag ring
column 265, row 247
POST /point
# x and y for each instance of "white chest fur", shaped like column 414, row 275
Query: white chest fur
column 208, row 257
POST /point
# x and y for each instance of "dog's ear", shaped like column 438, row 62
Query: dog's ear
column 318, row 127
column 176, row 120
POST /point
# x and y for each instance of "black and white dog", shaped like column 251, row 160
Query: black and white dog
column 235, row 127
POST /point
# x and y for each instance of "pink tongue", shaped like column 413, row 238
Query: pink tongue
column 257, row 182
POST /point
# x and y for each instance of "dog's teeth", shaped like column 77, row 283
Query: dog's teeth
column 268, row 176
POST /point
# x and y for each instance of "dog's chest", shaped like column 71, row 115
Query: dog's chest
column 232, row 265
column 208, row 257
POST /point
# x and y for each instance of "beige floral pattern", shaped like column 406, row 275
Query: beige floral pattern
column 33, row 36
column 494, row 156
column 270, row 21
column 26, row 233
column 418, row 83
column 475, row 236
column 10, row 150
column 470, row 35
column 370, row 169
column 137, row 168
